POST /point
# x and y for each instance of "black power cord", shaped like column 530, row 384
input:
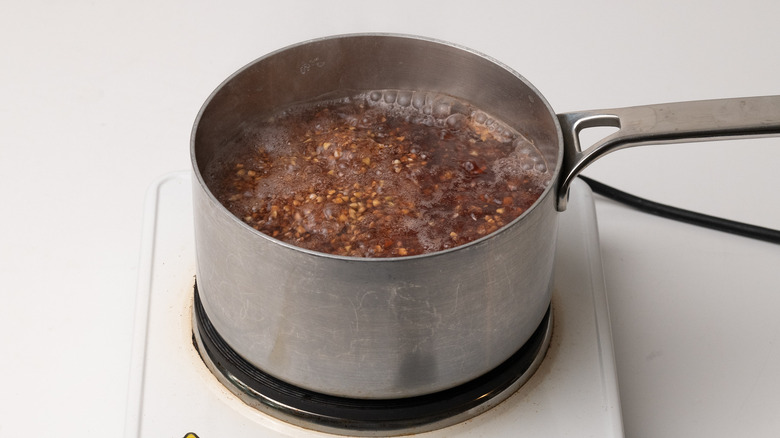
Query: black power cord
column 679, row 214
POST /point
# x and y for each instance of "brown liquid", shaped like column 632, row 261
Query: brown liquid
column 380, row 175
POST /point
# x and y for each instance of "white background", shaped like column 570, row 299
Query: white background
column 97, row 99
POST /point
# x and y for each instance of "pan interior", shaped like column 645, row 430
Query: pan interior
column 348, row 65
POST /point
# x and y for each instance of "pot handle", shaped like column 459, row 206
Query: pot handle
column 682, row 122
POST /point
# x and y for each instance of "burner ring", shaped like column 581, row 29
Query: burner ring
column 365, row 417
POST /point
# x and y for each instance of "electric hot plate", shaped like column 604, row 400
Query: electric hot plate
column 569, row 390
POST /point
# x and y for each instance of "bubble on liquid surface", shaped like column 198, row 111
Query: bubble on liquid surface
column 441, row 109
column 375, row 95
column 419, row 99
column 456, row 121
column 404, row 98
column 390, row 96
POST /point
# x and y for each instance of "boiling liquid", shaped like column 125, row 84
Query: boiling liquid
column 383, row 174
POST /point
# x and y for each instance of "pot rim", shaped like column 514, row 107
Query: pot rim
column 550, row 190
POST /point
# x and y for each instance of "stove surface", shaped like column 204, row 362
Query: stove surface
column 573, row 393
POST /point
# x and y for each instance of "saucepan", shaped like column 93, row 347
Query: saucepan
column 388, row 328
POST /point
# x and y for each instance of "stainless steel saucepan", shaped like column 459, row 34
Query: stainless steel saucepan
column 407, row 326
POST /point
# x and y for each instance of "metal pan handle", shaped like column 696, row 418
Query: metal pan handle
column 682, row 122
